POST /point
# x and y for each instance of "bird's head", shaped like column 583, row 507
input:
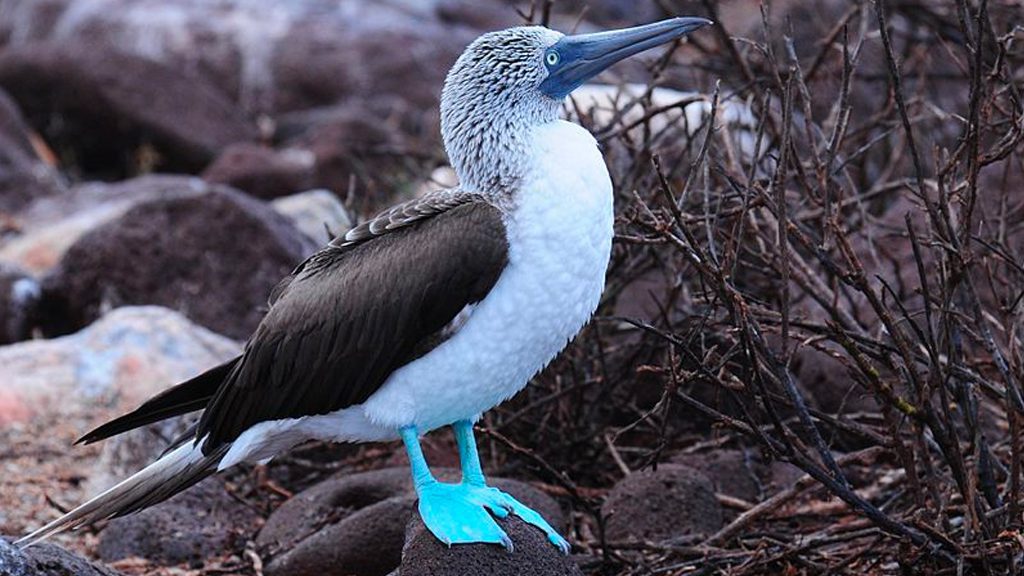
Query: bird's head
column 510, row 80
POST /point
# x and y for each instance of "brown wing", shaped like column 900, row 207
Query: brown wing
column 398, row 216
column 354, row 313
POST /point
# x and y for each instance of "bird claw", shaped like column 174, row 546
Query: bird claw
column 462, row 514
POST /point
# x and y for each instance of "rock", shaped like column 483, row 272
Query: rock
column 377, row 145
column 355, row 524
column 737, row 473
column 669, row 502
column 214, row 256
column 117, row 363
column 19, row 301
column 263, row 172
column 14, row 131
column 828, row 383
column 23, row 174
column 50, row 225
column 425, row 555
column 315, row 213
column 110, row 113
column 46, row 559
column 202, row 522
column 271, row 56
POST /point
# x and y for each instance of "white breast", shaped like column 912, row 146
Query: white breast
column 560, row 235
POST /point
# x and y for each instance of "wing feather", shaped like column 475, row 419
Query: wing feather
column 358, row 310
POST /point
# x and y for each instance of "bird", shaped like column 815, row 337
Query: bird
column 430, row 313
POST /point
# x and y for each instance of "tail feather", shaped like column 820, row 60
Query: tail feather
column 172, row 473
column 186, row 397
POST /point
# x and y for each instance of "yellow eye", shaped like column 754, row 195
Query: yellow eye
column 551, row 58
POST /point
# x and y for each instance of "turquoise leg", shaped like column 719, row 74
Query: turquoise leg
column 451, row 512
column 498, row 502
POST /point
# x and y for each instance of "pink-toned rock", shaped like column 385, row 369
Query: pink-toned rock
column 121, row 360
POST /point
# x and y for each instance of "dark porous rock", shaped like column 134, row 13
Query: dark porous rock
column 368, row 542
column 356, row 524
column 202, row 522
column 46, row 559
column 14, row 132
column 213, row 256
column 670, row 502
column 375, row 142
column 19, row 300
column 119, row 114
column 271, row 56
column 828, row 383
column 737, row 473
column 50, row 225
column 263, row 172
column 24, row 176
column 425, row 555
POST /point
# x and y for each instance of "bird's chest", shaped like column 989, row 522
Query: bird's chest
column 559, row 232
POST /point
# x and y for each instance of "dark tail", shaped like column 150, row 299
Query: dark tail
column 172, row 473
column 186, row 397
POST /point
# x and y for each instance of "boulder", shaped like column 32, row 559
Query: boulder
column 670, row 502
column 214, row 256
column 737, row 473
column 425, row 555
column 53, row 391
column 318, row 214
column 50, row 225
column 46, row 559
column 202, row 522
column 24, row 176
column 272, row 56
column 376, row 145
column 115, row 364
column 828, row 383
column 356, row 524
column 261, row 171
column 119, row 114
column 19, row 301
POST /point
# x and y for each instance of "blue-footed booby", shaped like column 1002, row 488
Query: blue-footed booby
column 430, row 313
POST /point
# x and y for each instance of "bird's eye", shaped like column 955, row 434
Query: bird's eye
column 552, row 58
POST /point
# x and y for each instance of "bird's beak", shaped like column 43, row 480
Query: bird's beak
column 581, row 57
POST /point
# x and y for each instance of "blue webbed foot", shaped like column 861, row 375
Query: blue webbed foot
column 461, row 514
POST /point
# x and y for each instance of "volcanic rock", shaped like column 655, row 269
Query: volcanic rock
column 425, row 555
column 117, row 363
column 119, row 114
column 23, row 174
column 213, row 256
column 263, row 172
column 270, row 57
column 202, row 522
column 19, row 299
column 356, row 524
column 669, row 502
column 50, row 225
column 46, row 559
column 318, row 214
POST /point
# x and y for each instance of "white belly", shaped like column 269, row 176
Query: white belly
column 560, row 234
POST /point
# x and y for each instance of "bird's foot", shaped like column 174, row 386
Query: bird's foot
column 458, row 514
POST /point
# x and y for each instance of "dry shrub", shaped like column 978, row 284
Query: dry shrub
column 834, row 280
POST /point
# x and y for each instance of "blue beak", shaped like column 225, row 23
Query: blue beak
column 575, row 59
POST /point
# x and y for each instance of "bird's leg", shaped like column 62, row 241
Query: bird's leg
column 498, row 502
column 452, row 512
